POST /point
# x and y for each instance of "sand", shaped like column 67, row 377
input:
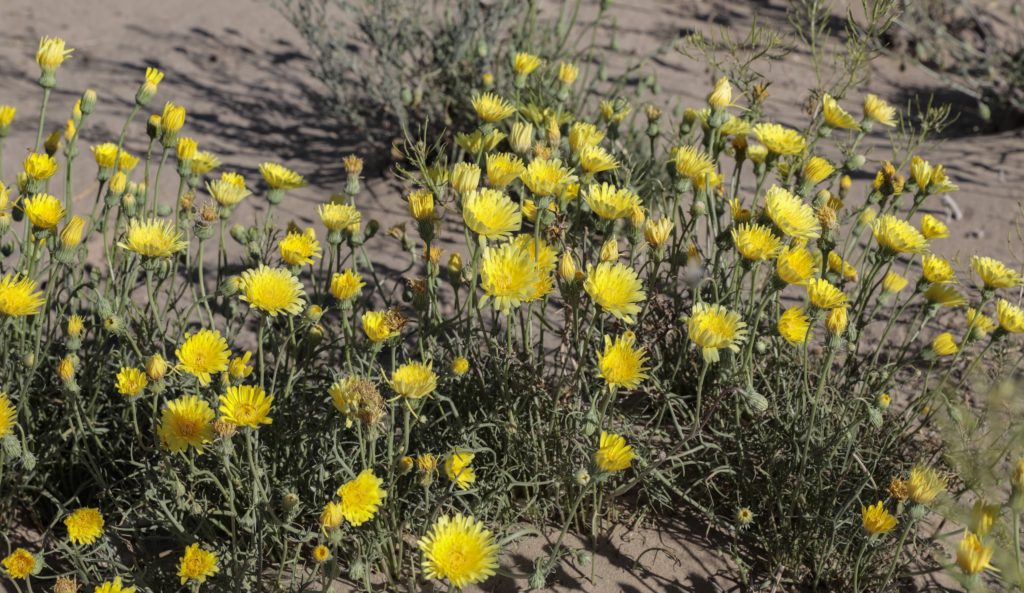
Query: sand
column 242, row 71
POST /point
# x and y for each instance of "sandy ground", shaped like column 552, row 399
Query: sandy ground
column 242, row 72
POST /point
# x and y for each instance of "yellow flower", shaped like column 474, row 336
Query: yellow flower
column 378, row 326
column 973, row 556
column 979, row 323
column 844, row 269
column 197, row 564
column 43, row 211
column 941, row 184
column 712, row 327
column 622, row 362
column 836, row 116
column 346, row 285
column 20, row 563
column 944, row 296
column 876, row 109
column 85, row 526
column 357, row 398
column 613, row 454
column 414, row 380
column 280, row 177
column 933, row 228
column 609, row 202
column 837, row 320
column 299, row 249
column 457, row 468
column 246, row 405
column 131, row 381
column 421, row 202
column 994, row 273
column 793, row 217
column 6, row 116
column 272, row 290
column 509, row 275
column 19, row 297
column 893, row 283
column 937, row 270
column 583, row 135
column 71, row 234
column 51, row 53
column 491, row 108
column 186, row 422
column 66, row 368
column 615, row 288
column 614, row 111
column 898, row 236
column 113, row 586
column 459, row 549
column 127, row 162
column 76, row 325
column 816, row 170
column 173, row 117
column 567, row 73
column 524, row 63
column 594, row 159
column 721, row 95
column 153, row 238
column 695, row 165
column 983, row 515
column 491, row 213
column 924, row 484
column 547, row 177
column 824, row 295
column 780, row 140
column 794, row 325
column 105, row 155
column 795, row 265
column 227, row 191
column 321, row 554
column 337, row 217
column 755, row 242
column 8, row 415
column 203, row 353
column 361, row 497
column 876, row 520
column 331, row 517
column 39, row 166
column 1011, row 317
column 460, row 366
column 545, row 259
column 944, row 344
column 239, row 367
column 657, row 232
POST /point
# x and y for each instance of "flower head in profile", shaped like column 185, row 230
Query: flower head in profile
column 835, row 116
column 337, row 217
column 816, row 170
column 944, row 344
column 459, row 548
column 933, row 228
column 544, row 258
column 979, row 324
column 877, row 110
column 114, row 586
column 509, row 275
column 131, row 381
column 657, row 232
column 898, row 236
column 610, row 202
column 795, row 265
column 622, row 362
column 458, row 468
column 994, row 274
column 755, row 242
column 39, row 166
column 203, row 353
column 616, row 288
column 547, row 177
column 153, row 238
column 1011, row 317
column 186, row 422
column 280, row 177
column 841, row 267
column 793, row 217
column 20, row 564
column 491, row 108
column 937, row 270
column 780, row 140
column 43, row 211
column 227, row 191
column 346, row 285
column 924, row 484
column 8, row 415
column 173, row 117
column 503, row 168
column 197, row 565
column 299, row 249
column 876, row 520
column 525, row 63
column 583, row 134
column 712, row 327
column 695, row 164
column 824, row 295
column 490, row 213
column 972, row 555
column 893, row 282
column 51, row 54
column 380, row 325
column 19, row 296
column 84, row 526
column 414, row 380
column 361, row 497
column 613, row 453
column 944, row 295
column 272, row 291
column 594, row 159
column 246, row 405
column 794, row 325
column 331, row 517
column 105, row 155
column 7, row 113
column 567, row 73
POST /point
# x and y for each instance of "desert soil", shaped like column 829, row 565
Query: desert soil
column 243, row 74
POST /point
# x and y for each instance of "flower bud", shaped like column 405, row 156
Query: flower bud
column 156, row 367
column 88, row 101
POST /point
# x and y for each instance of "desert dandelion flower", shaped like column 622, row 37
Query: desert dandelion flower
column 610, row 202
column 793, row 217
column 795, row 265
column 114, row 586
column 186, row 422
column 299, row 249
column 378, row 326
column 51, row 54
column 835, row 116
column 153, row 238
column 321, row 554
column 280, row 177
column 613, row 454
column 615, row 288
column 414, row 380
column 203, row 353
column 460, row 366
column 995, row 274
column 490, row 213
column 944, row 295
column 933, row 228
column 459, row 548
column 20, row 563
column 197, row 565
column 459, row 470
column 924, row 484
column 583, row 134
column 695, row 165
column 937, row 270
column 594, row 159
column 43, row 211
column 19, row 296
column 246, row 405
column 131, row 381
column 547, row 177
column 509, row 276
column 84, row 526
column 503, row 168
column 824, row 295
column 346, row 285
column 525, row 63
column 272, row 291
column 876, row 520
column 39, row 166
column 622, row 362
column 893, row 283
column 944, row 344
column 755, row 242
column 898, row 236
column 226, row 191
column 780, row 140
column 491, row 108
column 712, row 328
column 816, row 170
column 1011, row 317
column 876, row 109
column 8, row 415
column 973, row 556
column 794, row 326
column 361, row 497
column 337, row 217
